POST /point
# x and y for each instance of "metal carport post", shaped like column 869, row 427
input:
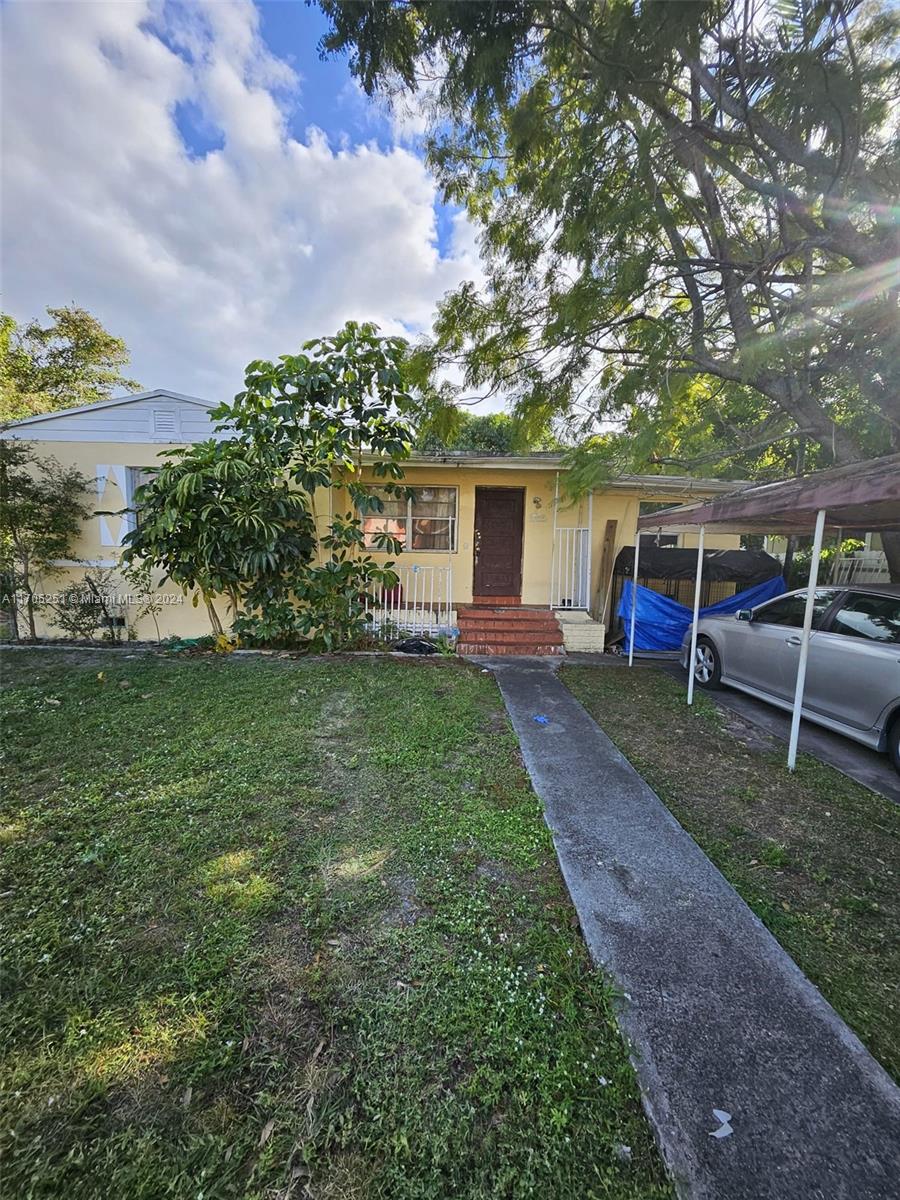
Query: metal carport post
column 634, row 584
column 804, row 638
column 697, row 584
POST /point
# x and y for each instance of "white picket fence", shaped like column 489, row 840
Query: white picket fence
column 421, row 602
column 571, row 580
column 866, row 566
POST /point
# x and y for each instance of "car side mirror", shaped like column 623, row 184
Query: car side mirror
column 744, row 614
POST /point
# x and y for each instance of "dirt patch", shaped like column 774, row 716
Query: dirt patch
column 408, row 909
column 746, row 732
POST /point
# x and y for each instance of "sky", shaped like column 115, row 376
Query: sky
column 201, row 181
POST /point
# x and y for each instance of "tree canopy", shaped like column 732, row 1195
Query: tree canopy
column 688, row 215
column 69, row 361
column 488, row 433
column 237, row 517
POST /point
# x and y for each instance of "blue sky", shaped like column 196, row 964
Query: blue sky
column 195, row 174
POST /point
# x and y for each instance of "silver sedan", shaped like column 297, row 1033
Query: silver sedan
column 853, row 671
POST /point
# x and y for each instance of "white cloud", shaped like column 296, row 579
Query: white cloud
column 199, row 263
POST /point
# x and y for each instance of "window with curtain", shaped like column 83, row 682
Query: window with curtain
column 425, row 521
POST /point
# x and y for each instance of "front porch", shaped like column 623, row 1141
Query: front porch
column 422, row 604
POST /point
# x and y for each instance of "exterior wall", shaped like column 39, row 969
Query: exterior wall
column 107, row 463
column 540, row 486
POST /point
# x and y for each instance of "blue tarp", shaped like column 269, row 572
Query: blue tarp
column 659, row 622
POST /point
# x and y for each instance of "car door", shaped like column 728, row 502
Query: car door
column 853, row 671
column 755, row 651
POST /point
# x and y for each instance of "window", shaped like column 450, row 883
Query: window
column 789, row 609
column 137, row 477
column 875, row 618
column 653, row 537
column 425, row 521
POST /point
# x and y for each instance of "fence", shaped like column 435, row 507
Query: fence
column 868, row 566
column 420, row 603
column 571, row 581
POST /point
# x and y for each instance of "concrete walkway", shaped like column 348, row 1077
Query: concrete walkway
column 719, row 1017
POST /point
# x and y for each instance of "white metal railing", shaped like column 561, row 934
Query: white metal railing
column 420, row 603
column 571, row 579
column 866, row 566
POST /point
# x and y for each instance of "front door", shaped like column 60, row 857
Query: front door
column 498, row 542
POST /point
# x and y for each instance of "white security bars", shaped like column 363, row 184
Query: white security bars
column 420, row 603
column 571, row 583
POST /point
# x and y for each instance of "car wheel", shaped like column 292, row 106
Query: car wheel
column 893, row 743
column 707, row 664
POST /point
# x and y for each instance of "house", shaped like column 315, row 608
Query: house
column 493, row 545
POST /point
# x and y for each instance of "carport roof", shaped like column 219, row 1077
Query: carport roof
column 863, row 495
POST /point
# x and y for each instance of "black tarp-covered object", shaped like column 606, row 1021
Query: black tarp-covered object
column 746, row 567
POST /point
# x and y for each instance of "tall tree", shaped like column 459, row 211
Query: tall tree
column 71, row 360
column 689, row 214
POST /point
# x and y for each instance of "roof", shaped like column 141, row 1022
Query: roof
column 864, row 495
column 673, row 485
column 677, row 486
column 155, row 394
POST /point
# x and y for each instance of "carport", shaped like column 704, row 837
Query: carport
column 858, row 495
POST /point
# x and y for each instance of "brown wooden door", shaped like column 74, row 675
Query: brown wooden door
column 498, row 541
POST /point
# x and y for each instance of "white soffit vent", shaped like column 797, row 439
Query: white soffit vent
column 164, row 423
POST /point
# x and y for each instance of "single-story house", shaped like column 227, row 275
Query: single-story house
column 493, row 545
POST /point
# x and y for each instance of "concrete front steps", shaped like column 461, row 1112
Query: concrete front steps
column 515, row 630
column 581, row 633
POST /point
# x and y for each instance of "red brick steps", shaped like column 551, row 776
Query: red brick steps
column 514, row 630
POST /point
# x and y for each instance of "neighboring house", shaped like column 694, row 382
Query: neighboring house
column 498, row 532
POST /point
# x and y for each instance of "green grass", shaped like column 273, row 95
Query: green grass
column 816, row 855
column 293, row 929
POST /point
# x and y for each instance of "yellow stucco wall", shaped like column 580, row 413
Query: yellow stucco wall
column 180, row 617
column 540, row 486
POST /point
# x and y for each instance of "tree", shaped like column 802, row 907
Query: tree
column 688, row 216
column 238, row 517
column 488, row 433
column 220, row 516
column 42, row 506
column 70, row 361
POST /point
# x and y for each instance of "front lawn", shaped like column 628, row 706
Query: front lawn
column 814, row 854
column 293, row 929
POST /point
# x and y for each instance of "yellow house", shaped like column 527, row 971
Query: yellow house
column 493, row 545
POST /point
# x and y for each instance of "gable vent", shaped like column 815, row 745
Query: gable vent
column 165, row 422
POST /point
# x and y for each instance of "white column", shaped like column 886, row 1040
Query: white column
column 804, row 637
column 697, row 583
column 634, row 586
column 554, row 552
column 588, row 582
